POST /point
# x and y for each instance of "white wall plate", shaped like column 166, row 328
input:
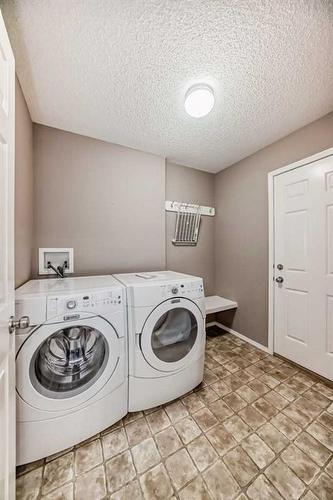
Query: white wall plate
column 57, row 257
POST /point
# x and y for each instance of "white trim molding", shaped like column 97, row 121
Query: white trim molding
column 271, row 257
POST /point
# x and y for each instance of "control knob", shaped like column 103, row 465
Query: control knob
column 174, row 290
column 71, row 304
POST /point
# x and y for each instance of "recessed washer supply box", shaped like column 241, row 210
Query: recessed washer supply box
column 57, row 257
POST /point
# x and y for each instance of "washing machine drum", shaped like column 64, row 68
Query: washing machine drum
column 69, row 359
column 62, row 365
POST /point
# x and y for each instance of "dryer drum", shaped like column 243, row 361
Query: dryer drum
column 70, row 359
column 174, row 335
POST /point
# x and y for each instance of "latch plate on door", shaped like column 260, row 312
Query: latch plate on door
column 22, row 323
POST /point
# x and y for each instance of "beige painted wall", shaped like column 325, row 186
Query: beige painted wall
column 241, row 230
column 105, row 201
column 23, row 189
column 192, row 186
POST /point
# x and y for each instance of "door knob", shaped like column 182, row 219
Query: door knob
column 22, row 323
column 279, row 279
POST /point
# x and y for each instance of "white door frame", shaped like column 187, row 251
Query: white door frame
column 271, row 242
column 7, row 302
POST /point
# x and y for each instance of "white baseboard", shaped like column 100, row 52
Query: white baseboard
column 240, row 336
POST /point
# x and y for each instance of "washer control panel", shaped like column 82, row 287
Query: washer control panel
column 71, row 304
column 95, row 302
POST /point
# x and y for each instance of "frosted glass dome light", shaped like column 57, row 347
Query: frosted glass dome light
column 199, row 100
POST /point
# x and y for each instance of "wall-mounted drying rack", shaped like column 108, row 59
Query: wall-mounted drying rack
column 187, row 221
column 176, row 206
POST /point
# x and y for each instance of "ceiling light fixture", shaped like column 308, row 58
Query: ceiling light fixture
column 199, row 100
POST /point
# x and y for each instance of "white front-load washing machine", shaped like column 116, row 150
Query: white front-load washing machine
column 166, row 336
column 71, row 363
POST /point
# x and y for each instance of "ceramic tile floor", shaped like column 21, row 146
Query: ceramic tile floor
column 257, row 428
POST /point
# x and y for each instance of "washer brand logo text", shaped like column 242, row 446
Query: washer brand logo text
column 71, row 316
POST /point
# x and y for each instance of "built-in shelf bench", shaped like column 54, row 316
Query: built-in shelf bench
column 215, row 304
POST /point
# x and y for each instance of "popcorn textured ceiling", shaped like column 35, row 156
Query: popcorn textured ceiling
column 118, row 70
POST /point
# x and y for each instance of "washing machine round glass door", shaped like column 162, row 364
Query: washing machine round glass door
column 62, row 365
column 173, row 334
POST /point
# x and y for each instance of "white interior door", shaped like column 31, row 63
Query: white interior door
column 303, row 256
column 7, row 360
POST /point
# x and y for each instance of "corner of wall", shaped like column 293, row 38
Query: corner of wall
column 24, row 179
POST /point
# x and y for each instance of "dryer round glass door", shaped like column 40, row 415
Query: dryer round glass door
column 62, row 365
column 173, row 334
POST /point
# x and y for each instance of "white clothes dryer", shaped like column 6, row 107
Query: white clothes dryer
column 166, row 333
column 71, row 364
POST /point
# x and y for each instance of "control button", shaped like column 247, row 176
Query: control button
column 174, row 290
column 71, row 304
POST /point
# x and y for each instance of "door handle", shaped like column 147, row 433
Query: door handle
column 279, row 279
column 22, row 323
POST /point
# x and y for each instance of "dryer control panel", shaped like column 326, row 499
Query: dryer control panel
column 191, row 290
column 151, row 294
column 95, row 302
